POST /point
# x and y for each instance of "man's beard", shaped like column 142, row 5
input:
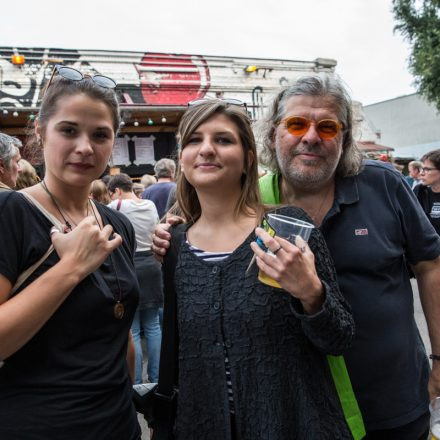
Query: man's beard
column 308, row 174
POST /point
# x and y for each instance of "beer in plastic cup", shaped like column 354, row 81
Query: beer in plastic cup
column 288, row 228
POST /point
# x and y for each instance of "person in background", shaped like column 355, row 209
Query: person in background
column 171, row 199
column 27, row 175
column 148, row 180
column 143, row 216
column 64, row 333
column 373, row 225
column 158, row 193
column 9, row 161
column 414, row 171
column 106, row 179
column 99, row 192
column 138, row 189
column 428, row 192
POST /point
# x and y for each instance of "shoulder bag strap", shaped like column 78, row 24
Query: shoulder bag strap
column 168, row 367
column 25, row 275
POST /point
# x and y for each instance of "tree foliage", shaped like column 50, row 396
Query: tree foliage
column 419, row 23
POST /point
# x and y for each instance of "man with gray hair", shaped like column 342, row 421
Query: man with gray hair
column 158, row 193
column 373, row 226
column 9, row 161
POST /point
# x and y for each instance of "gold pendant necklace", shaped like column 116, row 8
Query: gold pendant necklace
column 118, row 308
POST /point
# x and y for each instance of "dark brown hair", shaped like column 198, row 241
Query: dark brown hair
column 121, row 181
column 434, row 157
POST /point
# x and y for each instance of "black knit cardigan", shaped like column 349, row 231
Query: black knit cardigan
column 282, row 386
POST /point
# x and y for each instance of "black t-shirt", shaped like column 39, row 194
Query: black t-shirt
column 373, row 228
column 430, row 202
column 70, row 381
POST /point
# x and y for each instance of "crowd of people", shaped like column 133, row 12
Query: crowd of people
column 332, row 353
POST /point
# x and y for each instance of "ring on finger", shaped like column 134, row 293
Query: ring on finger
column 302, row 249
column 277, row 250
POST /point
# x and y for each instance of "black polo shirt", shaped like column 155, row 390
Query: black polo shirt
column 375, row 223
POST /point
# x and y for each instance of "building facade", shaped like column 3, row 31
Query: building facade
column 408, row 123
column 154, row 90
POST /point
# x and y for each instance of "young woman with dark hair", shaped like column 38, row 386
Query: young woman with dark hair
column 64, row 331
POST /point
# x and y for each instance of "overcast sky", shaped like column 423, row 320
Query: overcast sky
column 357, row 33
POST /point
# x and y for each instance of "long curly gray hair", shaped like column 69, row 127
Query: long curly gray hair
column 327, row 87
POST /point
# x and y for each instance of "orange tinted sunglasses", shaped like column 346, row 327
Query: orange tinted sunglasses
column 326, row 128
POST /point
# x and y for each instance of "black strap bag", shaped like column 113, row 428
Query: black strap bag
column 158, row 402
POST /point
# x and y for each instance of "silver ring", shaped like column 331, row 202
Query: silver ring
column 53, row 229
column 276, row 250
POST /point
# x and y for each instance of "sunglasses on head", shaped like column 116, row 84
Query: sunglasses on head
column 326, row 128
column 230, row 101
column 75, row 75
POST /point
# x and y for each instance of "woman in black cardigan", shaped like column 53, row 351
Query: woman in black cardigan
column 252, row 358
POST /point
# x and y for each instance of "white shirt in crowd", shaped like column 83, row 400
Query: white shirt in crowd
column 144, row 218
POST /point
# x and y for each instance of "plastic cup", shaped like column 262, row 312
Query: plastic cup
column 288, row 228
column 434, row 423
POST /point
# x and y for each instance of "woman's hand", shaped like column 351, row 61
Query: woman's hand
column 86, row 247
column 293, row 267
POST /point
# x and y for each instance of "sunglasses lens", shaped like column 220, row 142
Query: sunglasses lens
column 297, row 126
column 69, row 73
column 197, row 102
column 104, row 81
column 328, row 129
column 234, row 102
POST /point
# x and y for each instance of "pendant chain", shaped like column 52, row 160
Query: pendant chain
column 315, row 216
column 63, row 214
column 118, row 309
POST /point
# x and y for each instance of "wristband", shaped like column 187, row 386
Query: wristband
column 434, row 357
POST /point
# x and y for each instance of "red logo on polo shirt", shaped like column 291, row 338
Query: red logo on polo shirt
column 361, row 231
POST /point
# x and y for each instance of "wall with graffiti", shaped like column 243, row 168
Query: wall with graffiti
column 150, row 84
column 153, row 79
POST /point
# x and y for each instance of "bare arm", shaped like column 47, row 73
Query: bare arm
column 428, row 280
column 81, row 252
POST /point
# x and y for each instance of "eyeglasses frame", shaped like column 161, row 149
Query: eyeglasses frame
column 427, row 169
column 339, row 124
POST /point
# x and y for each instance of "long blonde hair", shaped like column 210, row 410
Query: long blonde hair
column 196, row 115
